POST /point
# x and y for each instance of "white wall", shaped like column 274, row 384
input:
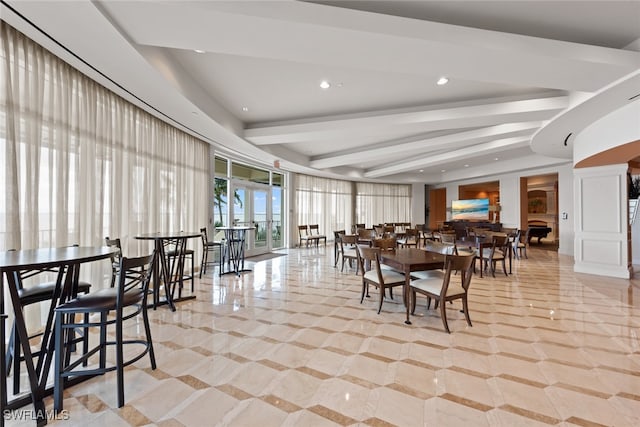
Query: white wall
column 510, row 201
column 601, row 229
column 566, row 206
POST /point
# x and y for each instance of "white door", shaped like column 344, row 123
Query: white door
column 253, row 208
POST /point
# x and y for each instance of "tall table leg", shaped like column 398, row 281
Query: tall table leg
column 37, row 393
column 406, row 290
column 3, row 374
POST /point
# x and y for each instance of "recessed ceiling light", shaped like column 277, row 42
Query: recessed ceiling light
column 466, row 166
column 443, row 170
column 325, row 84
column 245, row 109
column 496, row 159
column 442, row 81
column 421, row 170
column 198, row 51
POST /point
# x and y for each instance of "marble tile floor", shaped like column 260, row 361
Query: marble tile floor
column 289, row 344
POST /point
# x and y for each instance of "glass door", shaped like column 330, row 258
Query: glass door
column 252, row 208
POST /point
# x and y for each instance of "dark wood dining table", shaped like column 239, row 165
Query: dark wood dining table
column 65, row 264
column 169, row 270
column 408, row 260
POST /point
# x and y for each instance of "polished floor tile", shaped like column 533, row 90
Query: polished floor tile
column 289, row 344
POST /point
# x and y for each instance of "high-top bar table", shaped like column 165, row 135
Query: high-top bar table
column 66, row 263
column 235, row 239
column 169, row 270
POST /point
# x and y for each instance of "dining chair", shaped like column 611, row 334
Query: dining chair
column 520, row 244
column 448, row 236
column 348, row 244
column 497, row 252
column 410, row 238
column 382, row 279
column 27, row 296
column 446, row 288
column 386, row 244
column 126, row 301
column 337, row 247
column 303, row 235
column 209, row 246
column 314, row 234
column 115, row 258
column 439, row 248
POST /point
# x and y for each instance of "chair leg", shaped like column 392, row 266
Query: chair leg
column 381, row 298
column 192, row 272
column 17, row 348
column 203, row 262
column 465, row 308
column 364, row 291
column 58, row 384
column 443, row 314
column 413, row 302
column 3, row 375
column 428, row 303
column 147, row 331
column 10, row 350
column 504, row 267
column 119, row 360
column 103, row 340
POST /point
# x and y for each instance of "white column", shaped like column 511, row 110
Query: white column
column 601, row 229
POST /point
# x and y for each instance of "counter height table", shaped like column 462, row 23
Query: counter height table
column 169, row 270
column 65, row 262
column 235, row 238
column 408, row 260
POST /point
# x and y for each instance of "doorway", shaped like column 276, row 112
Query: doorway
column 252, row 207
column 539, row 206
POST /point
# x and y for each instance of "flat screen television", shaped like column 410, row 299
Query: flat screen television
column 470, row 210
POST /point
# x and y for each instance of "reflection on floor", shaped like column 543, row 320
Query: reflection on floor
column 290, row 344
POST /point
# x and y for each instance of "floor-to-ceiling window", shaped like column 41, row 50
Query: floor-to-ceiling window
column 382, row 203
column 323, row 201
column 79, row 163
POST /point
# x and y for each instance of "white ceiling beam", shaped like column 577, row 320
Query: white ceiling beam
column 422, row 145
column 461, row 154
column 439, row 118
column 317, row 34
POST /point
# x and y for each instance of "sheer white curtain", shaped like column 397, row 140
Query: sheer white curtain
column 78, row 163
column 323, row 201
column 380, row 203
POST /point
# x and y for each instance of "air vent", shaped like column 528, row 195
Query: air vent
column 634, row 97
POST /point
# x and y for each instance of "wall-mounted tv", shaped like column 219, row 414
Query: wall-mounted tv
column 470, row 210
